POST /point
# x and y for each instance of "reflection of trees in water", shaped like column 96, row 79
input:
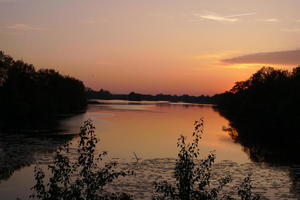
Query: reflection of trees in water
column 21, row 143
column 185, row 105
column 264, row 110
column 295, row 177
column 156, row 103
column 262, row 146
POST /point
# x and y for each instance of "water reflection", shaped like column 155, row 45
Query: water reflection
column 22, row 143
column 275, row 151
column 150, row 129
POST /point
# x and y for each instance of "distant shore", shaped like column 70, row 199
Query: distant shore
column 106, row 95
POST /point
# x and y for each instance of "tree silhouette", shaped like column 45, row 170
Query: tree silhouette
column 25, row 91
column 265, row 111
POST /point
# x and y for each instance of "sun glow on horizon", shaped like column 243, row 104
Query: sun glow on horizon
column 152, row 46
column 243, row 66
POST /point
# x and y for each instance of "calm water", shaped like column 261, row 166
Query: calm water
column 151, row 131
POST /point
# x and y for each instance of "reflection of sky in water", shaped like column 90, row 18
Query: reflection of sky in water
column 273, row 183
column 128, row 107
column 151, row 131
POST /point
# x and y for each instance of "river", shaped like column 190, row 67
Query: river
column 150, row 130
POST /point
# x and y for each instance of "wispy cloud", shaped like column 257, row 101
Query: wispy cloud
column 271, row 20
column 7, row 1
column 291, row 30
column 291, row 57
column 22, row 27
column 214, row 56
column 219, row 18
column 241, row 15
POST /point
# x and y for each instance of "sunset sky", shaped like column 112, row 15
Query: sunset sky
column 153, row 46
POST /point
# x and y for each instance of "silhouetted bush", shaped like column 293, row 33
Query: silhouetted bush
column 26, row 92
column 193, row 176
column 86, row 177
column 82, row 179
column 244, row 191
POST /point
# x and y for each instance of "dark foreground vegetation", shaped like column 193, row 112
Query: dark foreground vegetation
column 265, row 112
column 82, row 179
column 106, row 95
column 193, row 175
column 86, row 178
column 27, row 92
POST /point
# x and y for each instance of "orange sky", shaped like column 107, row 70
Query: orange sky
column 156, row 46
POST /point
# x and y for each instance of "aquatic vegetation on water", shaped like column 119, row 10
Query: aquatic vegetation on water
column 86, row 177
column 193, row 178
column 82, row 179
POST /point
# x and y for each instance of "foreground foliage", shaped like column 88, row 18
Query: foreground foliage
column 83, row 179
column 86, row 177
column 193, row 176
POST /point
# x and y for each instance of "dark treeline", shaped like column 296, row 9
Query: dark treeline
column 27, row 92
column 265, row 111
column 106, row 95
column 264, row 116
column 259, row 144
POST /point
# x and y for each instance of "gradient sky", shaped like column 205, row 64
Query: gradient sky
column 153, row 46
